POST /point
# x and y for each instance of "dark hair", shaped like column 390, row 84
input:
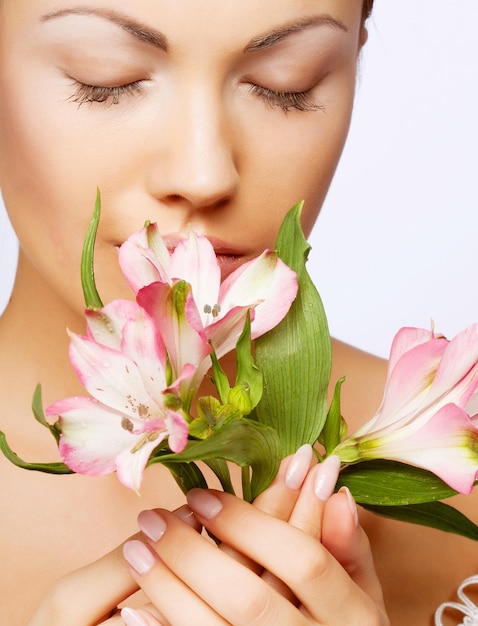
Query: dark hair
column 367, row 8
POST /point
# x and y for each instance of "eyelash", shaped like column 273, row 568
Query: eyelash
column 286, row 100
column 104, row 95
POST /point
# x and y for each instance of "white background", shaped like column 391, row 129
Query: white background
column 396, row 242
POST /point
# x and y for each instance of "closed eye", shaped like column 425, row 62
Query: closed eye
column 287, row 100
column 85, row 94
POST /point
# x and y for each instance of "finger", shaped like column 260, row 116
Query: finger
column 140, row 617
column 309, row 508
column 279, row 499
column 317, row 489
column 174, row 599
column 90, row 594
column 232, row 591
column 281, row 496
column 301, row 562
column 343, row 537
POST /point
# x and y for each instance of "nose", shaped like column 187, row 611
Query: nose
column 195, row 167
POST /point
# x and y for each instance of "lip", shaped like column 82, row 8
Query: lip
column 228, row 256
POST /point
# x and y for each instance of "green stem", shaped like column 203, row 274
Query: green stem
column 246, row 483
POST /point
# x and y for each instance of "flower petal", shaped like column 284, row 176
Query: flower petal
column 92, row 435
column 406, row 339
column 131, row 465
column 111, row 377
column 178, row 431
column 265, row 280
column 408, row 385
column 144, row 258
column 194, row 261
column 446, row 445
column 224, row 334
column 184, row 342
column 457, row 374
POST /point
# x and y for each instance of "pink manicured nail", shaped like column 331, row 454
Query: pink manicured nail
column 139, row 556
column 352, row 505
column 132, row 618
column 326, row 477
column 298, row 467
column 186, row 515
column 152, row 525
column 204, row 503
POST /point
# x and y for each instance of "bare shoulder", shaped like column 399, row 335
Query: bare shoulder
column 365, row 376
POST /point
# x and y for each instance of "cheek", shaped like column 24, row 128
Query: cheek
column 51, row 162
column 296, row 153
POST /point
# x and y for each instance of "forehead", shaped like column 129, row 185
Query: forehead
column 207, row 22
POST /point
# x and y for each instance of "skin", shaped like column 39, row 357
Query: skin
column 197, row 140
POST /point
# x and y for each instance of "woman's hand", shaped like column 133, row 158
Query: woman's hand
column 90, row 596
column 284, row 576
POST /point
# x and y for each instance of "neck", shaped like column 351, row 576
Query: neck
column 34, row 341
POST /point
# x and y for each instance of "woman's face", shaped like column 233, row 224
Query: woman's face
column 219, row 114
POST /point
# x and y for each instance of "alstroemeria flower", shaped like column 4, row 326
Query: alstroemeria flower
column 122, row 363
column 265, row 285
column 424, row 417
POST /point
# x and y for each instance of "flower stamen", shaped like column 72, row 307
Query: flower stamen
column 146, row 438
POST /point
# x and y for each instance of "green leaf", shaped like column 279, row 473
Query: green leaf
column 221, row 470
column 90, row 293
column 295, row 357
column 220, row 379
column 47, row 468
column 247, row 371
column 187, row 475
column 241, row 441
column 389, row 483
column 433, row 514
column 332, row 432
column 37, row 408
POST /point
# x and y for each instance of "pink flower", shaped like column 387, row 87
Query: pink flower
column 217, row 311
column 122, row 363
column 424, row 417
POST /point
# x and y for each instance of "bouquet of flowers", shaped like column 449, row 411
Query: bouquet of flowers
column 142, row 362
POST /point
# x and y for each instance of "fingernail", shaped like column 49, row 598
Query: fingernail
column 352, row 505
column 186, row 515
column 298, row 467
column 152, row 525
column 139, row 556
column 326, row 477
column 204, row 503
column 132, row 618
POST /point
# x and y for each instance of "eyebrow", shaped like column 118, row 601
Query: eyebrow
column 148, row 35
column 271, row 38
column 157, row 39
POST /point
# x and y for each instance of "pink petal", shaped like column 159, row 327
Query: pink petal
column 156, row 244
column 106, row 325
column 225, row 333
column 144, row 258
column 457, row 373
column 265, row 280
column 92, row 435
column 184, row 343
column 131, row 465
column 446, row 445
column 408, row 384
column 406, row 339
column 111, row 377
column 194, row 261
column 178, row 431
column 142, row 341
